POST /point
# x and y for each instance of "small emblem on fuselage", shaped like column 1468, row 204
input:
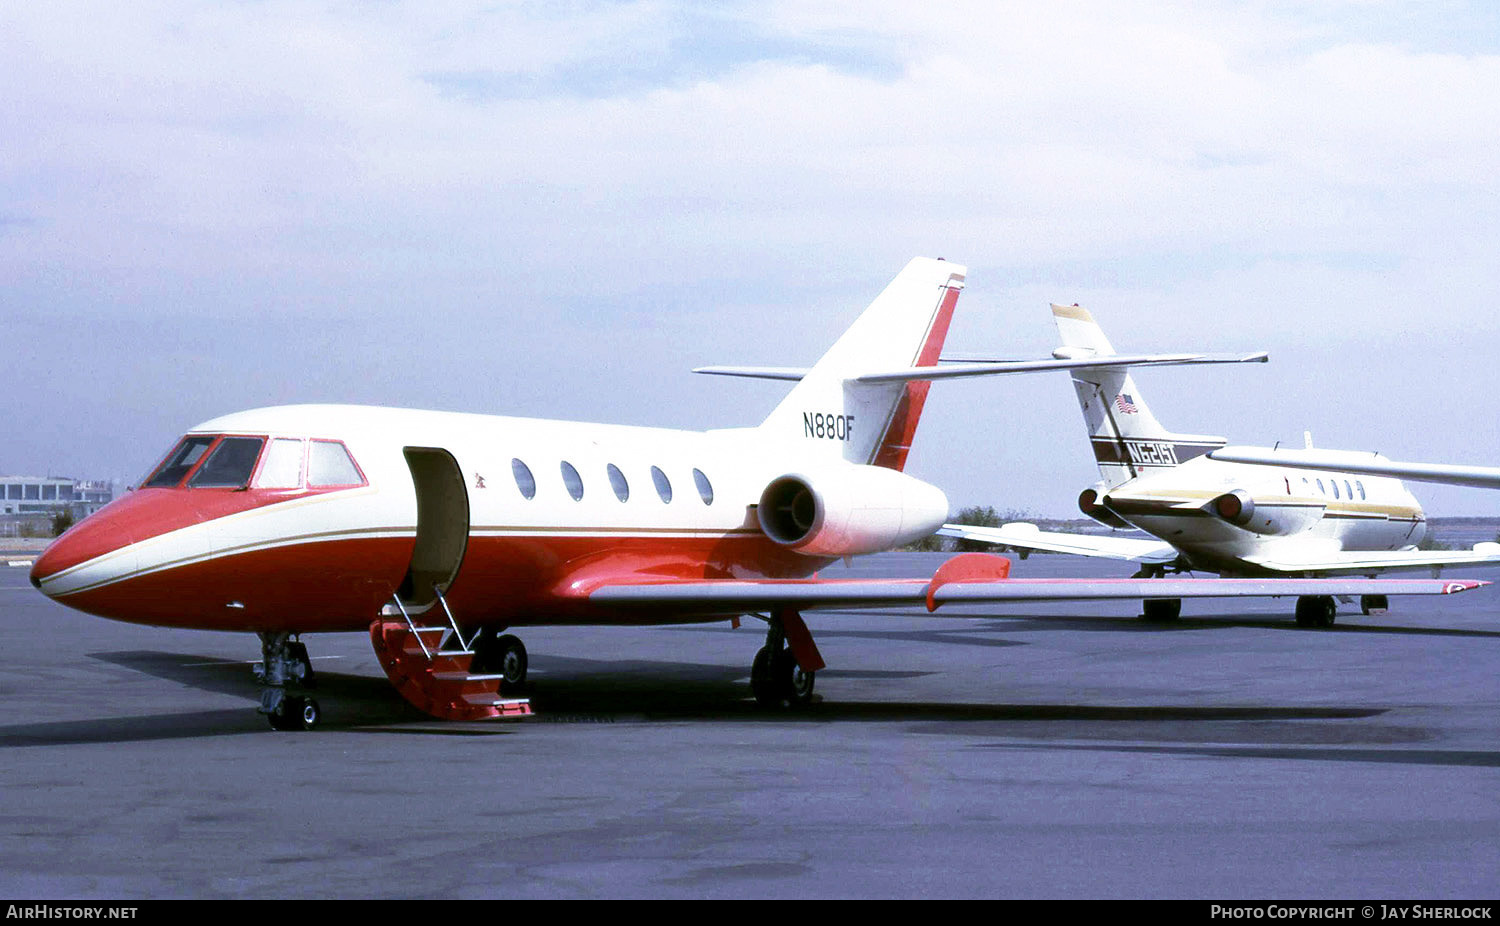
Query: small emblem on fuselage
column 478, row 481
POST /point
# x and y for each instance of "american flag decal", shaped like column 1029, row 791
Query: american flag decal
column 1125, row 403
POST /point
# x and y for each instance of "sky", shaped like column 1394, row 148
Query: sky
column 558, row 209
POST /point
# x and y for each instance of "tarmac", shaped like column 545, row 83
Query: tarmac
column 1055, row 751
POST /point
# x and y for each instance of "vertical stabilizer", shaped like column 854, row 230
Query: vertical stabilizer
column 1126, row 438
column 874, row 423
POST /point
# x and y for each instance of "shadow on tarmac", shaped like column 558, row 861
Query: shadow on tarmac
column 625, row 691
column 1470, row 758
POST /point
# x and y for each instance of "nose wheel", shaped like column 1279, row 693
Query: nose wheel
column 285, row 665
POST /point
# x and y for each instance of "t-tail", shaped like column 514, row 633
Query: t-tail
column 874, row 422
column 1127, row 439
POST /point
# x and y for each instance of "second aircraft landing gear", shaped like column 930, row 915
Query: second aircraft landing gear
column 284, row 664
column 1161, row 610
column 1316, row 611
column 1373, row 604
column 785, row 668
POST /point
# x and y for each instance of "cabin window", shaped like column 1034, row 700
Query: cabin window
column 179, row 462
column 524, row 480
column 1348, row 490
column 283, row 466
column 705, row 488
column 1361, row 486
column 573, row 481
column 230, row 464
column 1335, row 484
column 329, row 464
column 1321, row 490
column 663, row 484
column 618, row 483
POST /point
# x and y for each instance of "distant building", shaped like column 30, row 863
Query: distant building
column 52, row 495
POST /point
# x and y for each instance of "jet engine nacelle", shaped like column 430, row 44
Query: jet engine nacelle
column 849, row 510
column 1271, row 517
column 1089, row 504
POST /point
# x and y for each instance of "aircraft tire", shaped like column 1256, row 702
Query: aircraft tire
column 762, row 679
column 1373, row 604
column 1161, row 610
column 1316, row 611
column 796, row 685
column 308, row 714
column 513, row 663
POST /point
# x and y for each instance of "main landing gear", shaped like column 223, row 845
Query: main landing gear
column 785, row 668
column 1158, row 610
column 284, row 665
column 500, row 654
column 1316, row 611
column 1161, row 610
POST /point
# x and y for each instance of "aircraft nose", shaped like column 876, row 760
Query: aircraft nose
column 88, row 545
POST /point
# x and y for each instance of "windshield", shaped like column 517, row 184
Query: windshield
column 230, row 464
column 182, row 459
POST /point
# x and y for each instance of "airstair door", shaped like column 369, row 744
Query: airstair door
column 442, row 526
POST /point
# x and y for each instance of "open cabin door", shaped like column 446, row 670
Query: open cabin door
column 442, row 525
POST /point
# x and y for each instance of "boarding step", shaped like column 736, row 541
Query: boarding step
column 438, row 682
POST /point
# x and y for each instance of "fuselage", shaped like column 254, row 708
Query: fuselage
column 1292, row 514
column 500, row 513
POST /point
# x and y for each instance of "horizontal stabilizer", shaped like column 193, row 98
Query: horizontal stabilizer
column 789, row 374
column 992, row 367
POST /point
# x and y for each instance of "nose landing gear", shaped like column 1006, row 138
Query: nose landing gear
column 284, row 664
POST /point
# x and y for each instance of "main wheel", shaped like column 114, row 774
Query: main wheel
column 1373, row 604
column 513, row 663
column 763, row 678
column 797, row 685
column 1316, row 611
column 1161, row 610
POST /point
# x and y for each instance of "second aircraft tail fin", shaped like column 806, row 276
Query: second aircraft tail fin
column 1126, row 438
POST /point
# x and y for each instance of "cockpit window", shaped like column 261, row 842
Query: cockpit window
column 179, row 462
column 283, row 466
column 329, row 464
column 230, row 464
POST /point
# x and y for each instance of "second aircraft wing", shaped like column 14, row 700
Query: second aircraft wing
column 1024, row 536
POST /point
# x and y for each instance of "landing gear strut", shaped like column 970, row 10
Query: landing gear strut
column 777, row 676
column 1316, row 611
column 284, row 664
column 505, row 655
column 1373, row 604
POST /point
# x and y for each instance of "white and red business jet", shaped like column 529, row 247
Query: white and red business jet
column 436, row 531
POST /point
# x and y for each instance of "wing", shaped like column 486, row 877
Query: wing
column 1483, row 477
column 968, row 577
column 1023, row 536
column 1363, row 563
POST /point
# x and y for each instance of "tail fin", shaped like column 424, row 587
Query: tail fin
column 874, row 423
column 1127, row 439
